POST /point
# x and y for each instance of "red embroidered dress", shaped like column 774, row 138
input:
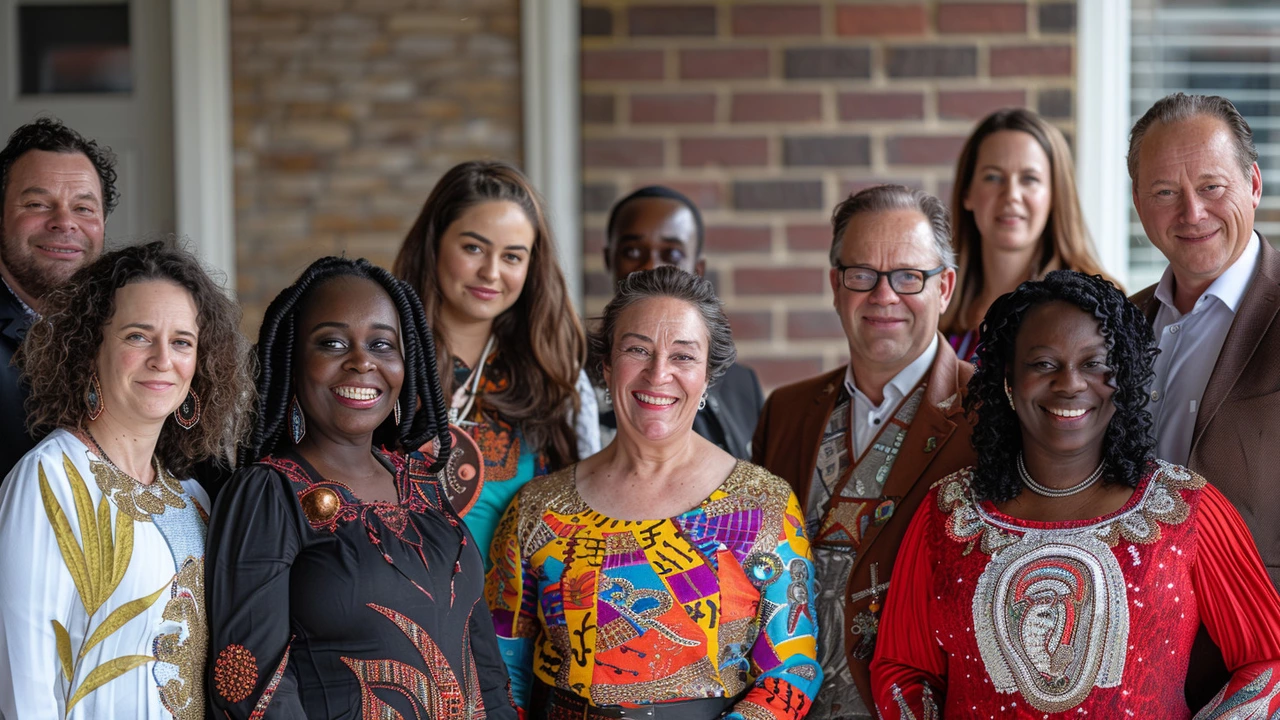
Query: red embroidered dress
column 992, row 616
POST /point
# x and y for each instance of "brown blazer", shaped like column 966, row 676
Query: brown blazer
column 1235, row 442
column 937, row 444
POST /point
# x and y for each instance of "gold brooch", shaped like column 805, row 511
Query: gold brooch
column 320, row 505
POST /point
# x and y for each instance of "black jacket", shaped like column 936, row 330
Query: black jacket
column 14, row 439
column 728, row 420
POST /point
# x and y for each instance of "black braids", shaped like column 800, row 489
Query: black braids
column 997, row 437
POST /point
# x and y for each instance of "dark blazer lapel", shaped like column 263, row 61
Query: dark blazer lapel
column 14, row 321
column 1257, row 310
column 930, row 430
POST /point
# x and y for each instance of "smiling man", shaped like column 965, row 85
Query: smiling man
column 1215, row 398
column 861, row 445
column 58, row 189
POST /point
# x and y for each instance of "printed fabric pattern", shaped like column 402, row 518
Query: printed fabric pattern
column 716, row 602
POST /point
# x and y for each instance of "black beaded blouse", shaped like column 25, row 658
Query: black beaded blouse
column 324, row 606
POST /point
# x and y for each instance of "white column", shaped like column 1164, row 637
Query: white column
column 203, row 195
column 549, row 43
column 1102, row 128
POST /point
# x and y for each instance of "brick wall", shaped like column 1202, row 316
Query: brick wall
column 768, row 113
column 346, row 112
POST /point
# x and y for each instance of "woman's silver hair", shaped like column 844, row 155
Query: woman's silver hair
column 665, row 282
column 895, row 197
column 1180, row 106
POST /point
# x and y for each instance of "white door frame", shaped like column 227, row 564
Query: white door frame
column 203, row 196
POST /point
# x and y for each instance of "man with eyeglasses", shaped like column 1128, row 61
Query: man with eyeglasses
column 862, row 444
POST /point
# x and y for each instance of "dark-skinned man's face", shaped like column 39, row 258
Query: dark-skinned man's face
column 650, row 233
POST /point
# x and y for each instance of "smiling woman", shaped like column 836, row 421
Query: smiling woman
column 1069, row 570
column 137, row 372
column 342, row 584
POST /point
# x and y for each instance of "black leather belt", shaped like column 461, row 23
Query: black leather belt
column 564, row 705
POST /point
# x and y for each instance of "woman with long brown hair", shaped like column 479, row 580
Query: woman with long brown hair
column 1015, row 217
column 482, row 258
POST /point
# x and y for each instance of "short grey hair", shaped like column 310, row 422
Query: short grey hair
column 1180, row 106
column 895, row 197
column 665, row 282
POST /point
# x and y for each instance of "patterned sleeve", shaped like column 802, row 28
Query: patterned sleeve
column 783, row 660
column 253, row 539
column 1239, row 607
column 909, row 667
column 512, row 598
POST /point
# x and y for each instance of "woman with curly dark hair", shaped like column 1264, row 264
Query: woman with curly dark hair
column 137, row 372
column 341, row 582
column 482, row 258
column 1069, row 570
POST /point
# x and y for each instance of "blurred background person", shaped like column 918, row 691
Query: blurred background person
column 58, row 189
column 341, row 582
column 1015, row 216
column 1069, row 569
column 690, row 566
column 656, row 226
column 137, row 371
column 511, row 348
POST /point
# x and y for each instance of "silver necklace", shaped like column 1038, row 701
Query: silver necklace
column 1044, row 491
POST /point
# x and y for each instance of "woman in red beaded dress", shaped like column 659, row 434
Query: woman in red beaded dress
column 1066, row 574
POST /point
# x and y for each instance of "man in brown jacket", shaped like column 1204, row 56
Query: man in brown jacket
column 1215, row 398
column 861, row 445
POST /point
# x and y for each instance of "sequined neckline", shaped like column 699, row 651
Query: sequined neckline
column 348, row 496
column 991, row 514
column 131, row 497
column 587, row 509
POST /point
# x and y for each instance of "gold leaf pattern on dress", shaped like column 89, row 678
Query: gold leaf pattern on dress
column 132, row 497
column 105, row 673
column 184, row 696
column 88, row 534
column 64, row 647
column 72, row 555
column 118, row 618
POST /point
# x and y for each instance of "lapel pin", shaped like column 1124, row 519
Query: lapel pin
column 931, row 444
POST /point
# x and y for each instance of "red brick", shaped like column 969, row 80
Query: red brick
column 724, row 64
column 622, row 65
column 1031, row 60
column 778, row 281
column 706, row 194
column 761, row 195
column 814, row 325
column 672, row 20
column 739, row 238
column 597, row 109
column 809, row 238
column 751, row 325
column 777, row 20
column 776, row 107
column 881, row 105
column 303, row 162
column 940, row 150
column 673, row 108
column 622, row 152
column 881, row 19
column 725, row 151
column 855, row 186
column 774, row 372
column 974, row 104
column 982, row 18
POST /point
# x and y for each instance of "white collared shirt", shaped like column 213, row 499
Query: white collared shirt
column 866, row 419
column 1189, row 348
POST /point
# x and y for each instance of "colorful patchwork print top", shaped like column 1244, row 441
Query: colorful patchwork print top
column 994, row 616
column 324, row 606
column 102, row 603
column 716, row 602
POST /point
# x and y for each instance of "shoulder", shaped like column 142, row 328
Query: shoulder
column 808, row 390
column 554, row 492
column 951, row 492
column 748, row 480
column 1143, row 297
column 52, row 460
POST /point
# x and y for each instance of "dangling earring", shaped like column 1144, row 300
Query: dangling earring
column 396, row 412
column 93, row 397
column 188, row 413
column 1009, row 394
column 702, row 404
column 297, row 421
column 608, row 397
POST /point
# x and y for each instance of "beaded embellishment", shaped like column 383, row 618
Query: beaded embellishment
column 235, row 673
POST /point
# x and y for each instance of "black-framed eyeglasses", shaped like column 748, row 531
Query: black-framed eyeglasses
column 904, row 281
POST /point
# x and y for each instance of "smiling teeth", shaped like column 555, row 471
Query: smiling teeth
column 1067, row 413
column 655, row 400
column 357, row 393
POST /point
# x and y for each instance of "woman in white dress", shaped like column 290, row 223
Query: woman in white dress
column 137, row 372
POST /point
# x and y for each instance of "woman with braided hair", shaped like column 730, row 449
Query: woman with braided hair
column 1067, row 573
column 511, row 349
column 341, row 582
